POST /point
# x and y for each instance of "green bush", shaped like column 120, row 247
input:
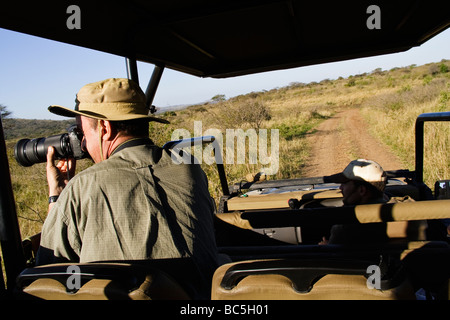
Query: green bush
column 290, row 132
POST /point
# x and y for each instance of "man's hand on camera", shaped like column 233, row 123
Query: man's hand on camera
column 58, row 175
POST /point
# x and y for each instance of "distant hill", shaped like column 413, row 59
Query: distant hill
column 162, row 110
column 26, row 128
column 33, row 128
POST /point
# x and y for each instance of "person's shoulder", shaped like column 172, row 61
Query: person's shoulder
column 91, row 175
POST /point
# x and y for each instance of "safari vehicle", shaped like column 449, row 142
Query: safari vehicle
column 270, row 238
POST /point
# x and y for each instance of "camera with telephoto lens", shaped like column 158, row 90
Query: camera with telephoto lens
column 67, row 145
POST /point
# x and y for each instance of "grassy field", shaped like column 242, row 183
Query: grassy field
column 392, row 111
column 390, row 100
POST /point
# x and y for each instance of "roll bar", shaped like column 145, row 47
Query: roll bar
column 191, row 142
column 369, row 213
column 420, row 121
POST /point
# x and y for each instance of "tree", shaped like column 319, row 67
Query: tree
column 6, row 124
column 249, row 111
column 255, row 112
column 4, row 112
column 218, row 98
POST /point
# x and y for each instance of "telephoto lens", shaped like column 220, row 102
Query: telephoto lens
column 30, row 151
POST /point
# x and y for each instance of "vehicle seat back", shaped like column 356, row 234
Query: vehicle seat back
column 286, row 279
column 98, row 281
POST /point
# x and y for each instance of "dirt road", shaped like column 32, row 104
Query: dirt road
column 343, row 138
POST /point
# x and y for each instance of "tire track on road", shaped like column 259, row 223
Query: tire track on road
column 342, row 138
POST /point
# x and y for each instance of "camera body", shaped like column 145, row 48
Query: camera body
column 67, row 145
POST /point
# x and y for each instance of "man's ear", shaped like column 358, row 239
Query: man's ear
column 107, row 130
column 363, row 190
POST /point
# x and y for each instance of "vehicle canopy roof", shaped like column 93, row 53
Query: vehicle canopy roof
column 230, row 38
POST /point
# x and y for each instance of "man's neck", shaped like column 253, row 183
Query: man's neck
column 131, row 141
column 118, row 140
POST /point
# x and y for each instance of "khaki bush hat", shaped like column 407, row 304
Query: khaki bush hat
column 362, row 170
column 111, row 99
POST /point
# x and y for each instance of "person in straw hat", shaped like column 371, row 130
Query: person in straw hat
column 134, row 203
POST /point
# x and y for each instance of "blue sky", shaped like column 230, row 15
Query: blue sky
column 36, row 73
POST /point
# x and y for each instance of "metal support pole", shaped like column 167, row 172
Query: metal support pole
column 132, row 70
column 10, row 239
column 419, row 151
column 153, row 84
column 221, row 170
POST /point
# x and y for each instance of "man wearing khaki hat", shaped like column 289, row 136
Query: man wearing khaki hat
column 135, row 203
